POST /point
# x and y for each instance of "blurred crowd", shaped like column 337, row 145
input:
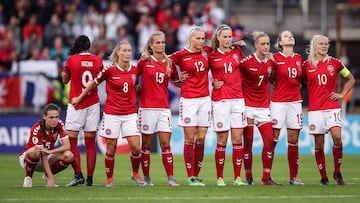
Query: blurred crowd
column 45, row 30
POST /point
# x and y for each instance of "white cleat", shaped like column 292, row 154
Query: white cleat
column 27, row 182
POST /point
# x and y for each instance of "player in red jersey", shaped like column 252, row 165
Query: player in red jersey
column 320, row 73
column 227, row 101
column 120, row 117
column 286, row 101
column 256, row 70
column 195, row 103
column 39, row 153
column 80, row 69
column 154, row 111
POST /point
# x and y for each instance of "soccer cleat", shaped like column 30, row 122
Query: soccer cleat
column 89, row 181
column 110, row 182
column 338, row 177
column 220, row 182
column 172, row 181
column 238, row 182
column 137, row 179
column 249, row 181
column 78, row 179
column 147, row 181
column 296, row 182
column 195, row 181
column 27, row 182
column 44, row 177
column 269, row 181
column 324, row 181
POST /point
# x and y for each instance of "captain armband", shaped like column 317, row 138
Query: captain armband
column 344, row 72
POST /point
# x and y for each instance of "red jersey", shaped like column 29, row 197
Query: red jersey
column 288, row 75
column 82, row 69
column 197, row 66
column 256, row 85
column 226, row 67
column 322, row 81
column 155, row 81
column 120, row 89
column 39, row 137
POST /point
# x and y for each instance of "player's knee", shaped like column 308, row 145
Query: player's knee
column 68, row 157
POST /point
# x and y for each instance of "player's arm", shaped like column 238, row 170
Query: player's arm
column 65, row 78
column 46, row 165
column 76, row 100
column 345, row 73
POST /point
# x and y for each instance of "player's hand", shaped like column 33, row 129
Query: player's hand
column 270, row 56
column 217, row 84
column 51, row 182
column 184, row 75
column 145, row 56
column 75, row 101
column 335, row 96
column 240, row 43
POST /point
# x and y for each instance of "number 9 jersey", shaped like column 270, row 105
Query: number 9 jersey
column 82, row 69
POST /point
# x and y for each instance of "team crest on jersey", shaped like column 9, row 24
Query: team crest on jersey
column 312, row 127
column 236, row 58
column 145, row 127
column 219, row 124
column 35, row 140
column 298, row 64
column 269, row 69
column 330, row 68
column 133, row 77
column 108, row 131
column 187, row 120
column 204, row 54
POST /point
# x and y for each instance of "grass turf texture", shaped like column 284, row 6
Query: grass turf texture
column 125, row 190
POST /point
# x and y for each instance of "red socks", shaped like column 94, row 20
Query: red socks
column 168, row 160
column 76, row 164
column 293, row 159
column 30, row 165
column 248, row 142
column 90, row 155
column 266, row 132
column 199, row 157
column 58, row 166
column 189, row 158
column 145, row 160
column 220, row 160
column 135, row 162
column 237, row 156
column 320, row 161
column 109, row 165
column 337, row 154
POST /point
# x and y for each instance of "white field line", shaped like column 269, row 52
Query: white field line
column 187, row 198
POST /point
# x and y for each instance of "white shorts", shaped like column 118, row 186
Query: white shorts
column 154, row 120
column 195, row 112
column 321, row 121
column 229, row 114
column 39, row 167
column 82, row 119
column 260, row 115
column 114, row 126
column 286, row 113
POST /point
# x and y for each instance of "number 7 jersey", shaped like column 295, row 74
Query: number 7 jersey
column 256, row 84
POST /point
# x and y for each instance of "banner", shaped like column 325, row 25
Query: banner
column 10, row 92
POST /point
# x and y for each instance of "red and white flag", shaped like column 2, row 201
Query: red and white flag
column 10, row 91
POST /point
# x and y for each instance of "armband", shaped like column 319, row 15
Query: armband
column 344, row 72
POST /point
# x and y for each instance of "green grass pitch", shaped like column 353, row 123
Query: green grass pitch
column 11, row 179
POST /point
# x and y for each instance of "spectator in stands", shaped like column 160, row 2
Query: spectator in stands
column 101, row 46
column 59, row 50
column 71, row 29
column 238, row 31
column 52, row 30
column 7, row 51
column 113, row 19
column 183, row 32
column 34, row 41
column 145, row 27
column 31, row 27
column 39, row 154
column 91, row 28
column 123, row 35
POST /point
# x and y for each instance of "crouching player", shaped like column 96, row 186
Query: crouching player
column 39, row 153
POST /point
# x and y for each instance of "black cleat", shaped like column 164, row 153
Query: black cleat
column 78, row 179
column 89, row 181
column 324, row 181
column 338, row 177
